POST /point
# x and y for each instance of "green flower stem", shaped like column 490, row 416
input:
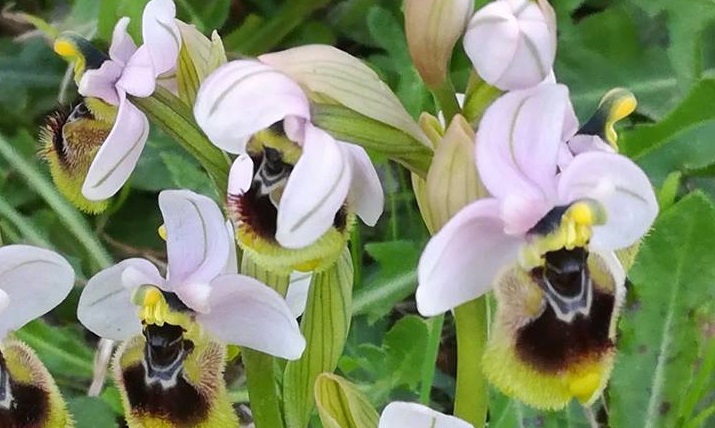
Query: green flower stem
column 76, row 224
column 471, row 398
column 447, row 100
column 428, row 369
column 272, row 32
column 347, row 125
column 262, row 389
column 176, row 119
column 261, row 370
column 26, row 228
column 479, row 96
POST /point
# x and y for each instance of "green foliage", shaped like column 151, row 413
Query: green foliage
column 341, row 405
column 666, row 327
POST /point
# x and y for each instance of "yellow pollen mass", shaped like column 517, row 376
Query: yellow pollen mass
column 66, row 49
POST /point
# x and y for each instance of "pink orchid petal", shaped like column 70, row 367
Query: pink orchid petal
column 588, row 143
column 366, row 192
column 161, row 34
column 518, row 142
column 462, row 260
column 412, row 415
column 240, row 177
column 100, row 83
column 623, row 190
column 316, row 189
column 105, row 306
column 248, row 313
column 119, row 153
column 138, row 76
column 243, row 97
column 33, row 281
column 196, row 245
column 122, row 46
column 496, row 24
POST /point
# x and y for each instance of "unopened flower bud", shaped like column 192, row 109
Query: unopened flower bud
column 432, row 28
column 512, row 43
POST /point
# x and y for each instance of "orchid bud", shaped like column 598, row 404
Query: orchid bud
column 512, row 43
column 452, row 180
column 433, row 28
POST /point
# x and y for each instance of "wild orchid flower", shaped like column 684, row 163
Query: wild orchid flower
column 512, row 43
column 545, row 240
column 600, row 199
column 32, row 282
column 233, row 308
column 128, row 71
column 400, row 414
column 292, row 185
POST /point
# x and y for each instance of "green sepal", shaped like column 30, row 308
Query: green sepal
column 176, row 119
column 347, row 125
column 342, row 405
column 325, row 325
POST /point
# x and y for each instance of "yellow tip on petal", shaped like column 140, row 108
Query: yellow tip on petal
column 583, row 387
column 152, row 296
column 65, row 48
column 162, row 232
column 581, row 214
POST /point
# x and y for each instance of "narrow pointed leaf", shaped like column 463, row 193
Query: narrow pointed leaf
column 325, row 325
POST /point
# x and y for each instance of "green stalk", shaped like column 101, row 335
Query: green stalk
column 26, row 228
column 177, row 120
column 428, row 369
column 262, row 389
column 447, row 100
column 471, row 398
column 479, row 96
column 261, row 370
column 76, row 224
column 273, row 31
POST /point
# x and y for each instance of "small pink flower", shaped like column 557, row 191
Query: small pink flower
column 201, row 273
column 519, row 142
column 129, row 71
column 247, row 96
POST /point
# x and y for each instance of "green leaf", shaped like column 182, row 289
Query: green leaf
column 663, row 327
column 669, row 191
column 90, row 412
column 606, row 50
column 188, row 175
column 325, row 325
column 207, row 16
column 110, row 11
column 695, row 110
column 508, row 413
column 341, row 405
column 61, row 349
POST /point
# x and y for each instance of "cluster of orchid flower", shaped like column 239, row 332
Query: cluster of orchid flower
column 544, row 214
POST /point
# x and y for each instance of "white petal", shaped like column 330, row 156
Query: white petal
column 248, row 313
column 161, row 34
column 462, row 260
column 232, row 263
column 297, row 295
column 241, row 175
column 138, row 75
column 621, row 187
column 122, row 46
column 119, row 153
column 412, row 415
column 518, row 142
column 105, row 306
column 101, row 83
column 34, row 280
column 316, row 189
column 243, row 97
column 365, row 189
column 196, row 244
